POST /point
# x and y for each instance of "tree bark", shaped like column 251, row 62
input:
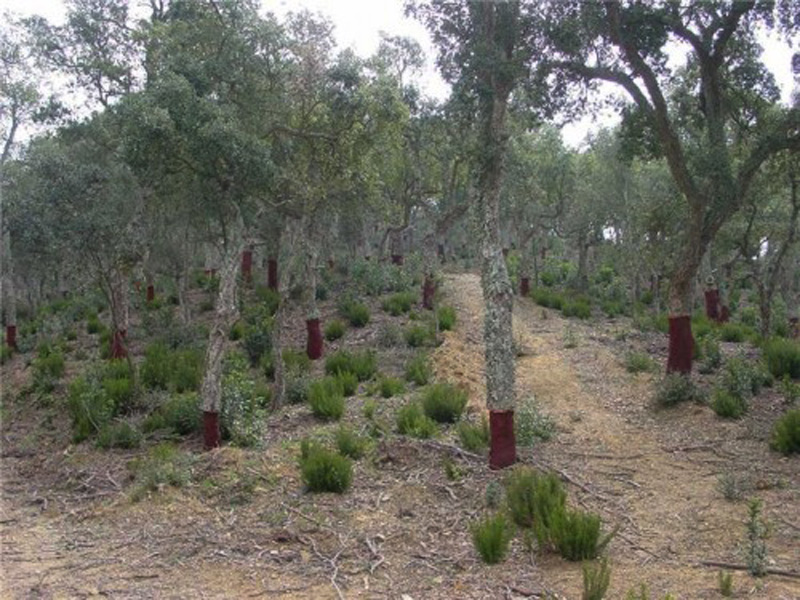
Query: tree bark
column 225, row 314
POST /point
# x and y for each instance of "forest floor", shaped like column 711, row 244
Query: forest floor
column 244, row 528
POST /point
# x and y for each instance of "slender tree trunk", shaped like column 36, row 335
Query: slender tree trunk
column 681, row 342
column 8, row 294
column 225, row 315
column 119, row 312
column 314, row 346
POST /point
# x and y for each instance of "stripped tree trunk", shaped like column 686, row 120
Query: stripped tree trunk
column 8, row 295
column 313, row 330
column 225, row 315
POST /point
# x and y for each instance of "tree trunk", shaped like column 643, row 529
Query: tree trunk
column 428, row 290
column 8, row 295
column 712, row 304
column 314, row 339
column 151, row 293
column 583, row 259
column 681, row 342
column 765, row 309
column 247, row 265
column 225, row 315
column 180, row 285
column 118, row 297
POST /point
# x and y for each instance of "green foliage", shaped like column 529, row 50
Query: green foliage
column 790, row 391
column 755, row 543
column 732, row 486
column 326, row 398
column 174, row 370
column 297, row 388
column 180, row 413
column 243, row 408
column 48, row 367
column 93, row 324
column 596, row 580
column 701, row 326
column 711, row 354
column 530, row 423
column 350, row 444
column 639, row 362
column 412, row 421
column 612, row 308
column 725, row 584
column 361, row 364
column 237, row 331
column 323, row 470
column 735, row 332
column 270, row 299
column 257, row 339
column 446, row 315
column 164, row 465
column 576, row 308
column 334, row 330
column 728, row 405
column 356, row 313
column 743, row 378
column 444, row 402
column 119, row 390
column 474, row 437
column 576, row 535
column 786, row 433
column 119, row 435
column 389, row 335
column 419, row 335
column 783, row 357
column 547, row 298
column 349, row 383
column 89, row 407
column 295, row 362
column 369, row 409
column 491, row 537
column 418, row 370
column 748, row 316
column 399, row 303
column 391, row 386
column 6, row 352
column 675, row 389
column 493, row 495
column 534, row 501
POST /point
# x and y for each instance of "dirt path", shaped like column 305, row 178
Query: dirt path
column 654, row 473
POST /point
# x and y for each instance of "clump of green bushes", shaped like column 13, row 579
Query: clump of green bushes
column 782, row 357
column 357, row 313
column 474, row 436
column 446, row 316
column 676, row 389
column 444, row 402
column 334, row 330
column 326, row 399
column 491, row 537
column 323, row 470
column 411, row 420
column 399, row 303
column 173, row 370
column 362, row 364
column 180, row 413
column 418, row 370
column 786, row 433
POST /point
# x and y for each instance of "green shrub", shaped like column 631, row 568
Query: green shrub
column 675, row 389
column 269, row 299
column 491, row 537
column 446, row 315
column 362, row 364
column 701, row 326
column 257, row 340
column 93, row 324
column 237, row 331
column 6, row 352
column 164, row 465
column 742, row 377
column 576, row 535
column 349, row 383
column 391, row 386
column 389, row 335
column 155, row 369
column 786, row 433
column 323, row 470
column 297, row 388
column 412, row 421
column 596, row 580
column 181, row 413
column 350, row 444
column 399, row 303
column 243, row 408
column 326, row 398
column 783, row 357
column 120, row 391
column 530, row 423
column 175, row 370
column 639, row 362
column 711, row 355
column 71, row 335
column 90, row 408
column 728, row 405
column 790, row 391
column 725, row 584
column 748, row 316
column 734, row 332
column 547, row 298
column 355, row 312
column 576, row 308
column 418, row 370
column 334, row 330
column 296, row 360
column 474, row 437
column 369, row 409
column 535, row 500
column 612, row 308
column 444, row 402
column 48, row 367
column 418, row 335
column 119, row 435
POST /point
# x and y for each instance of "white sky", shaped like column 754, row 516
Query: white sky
column 358, row 23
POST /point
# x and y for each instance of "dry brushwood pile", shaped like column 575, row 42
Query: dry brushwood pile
column 238, row 523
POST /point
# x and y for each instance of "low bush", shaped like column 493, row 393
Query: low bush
column 93, row 324
column 786, row 433
column 639, row 362
column 444, row 402
column 334, row 330
column 349, row 383
column 355, row 312
column 120, row 391
column 389, row 335
column 789, row 390
column 119, row 435
column 576, row 308
column 531, row 424
column 297, row 388
column 743, row 377
column 323, row 470
column 155, row 370
column 361, row 364
column 412, row 421
column 296, row 361
column 547, row 298
column 180, row 413
column 491, row 537
column 391, row 386
column 350, row 444
column 576, row 535
column 535, row 500
column 243, row 407
column 174, row 370
column 48, row 367
column 164, row 465
column 418, row 370
column 711, row 355
column 6, row 352
column 446, row 315
column 269, row 299
column 89, row 407
column 783, row 357
column 399, row 303
column 728, row 405
column 237, row 331
column 734, row 332
column 474, row 436
column 419, row 335
column 675, row 389
column 595, row 580
column 326, row 399
column 257, row 340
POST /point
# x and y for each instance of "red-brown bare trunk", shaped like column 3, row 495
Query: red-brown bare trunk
column 397, row 259
column 505, row 252
column 524, row 286
column 247, row 265
column 724, row 314
column 428, row 290
column 11, row 336
column 712, row 304
column 118, row 349
column 151, row 293
column 503, row 449
column 211, row 433
column 681, row 344
column 272, row 274
column 314, row 339
column 794, row 327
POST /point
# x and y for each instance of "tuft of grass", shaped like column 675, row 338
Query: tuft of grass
column 419, row 335
column 675, row 389
column 350, row 444
column 491, row 537
column 596, row 580
column 369, row 409
column 534, row 501
column 782, row 357
column 391, row 386
column 446, row 315
column 576, row 535
column 349, row 383
column 363, row 364
column 355, row 312
column 326, row 399
column 728, row 405
column 334, row 330
column 323, row 470
column 399, row 303
column 474, row 437
column 732, row 486
column 725, row 583
column 444, row 402
column 412, row 421
column 639, row 362
column 418, row 370
column 786, row 433
column 119, row 435
column 576, row 308
column 180, row 413
column 735, row 332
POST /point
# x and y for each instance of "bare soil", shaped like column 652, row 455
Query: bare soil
column 245, row 528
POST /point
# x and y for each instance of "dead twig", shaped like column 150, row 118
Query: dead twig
column 740, row 567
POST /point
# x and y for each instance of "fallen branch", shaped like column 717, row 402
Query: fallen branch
column 740, row 567
column 452, row 448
